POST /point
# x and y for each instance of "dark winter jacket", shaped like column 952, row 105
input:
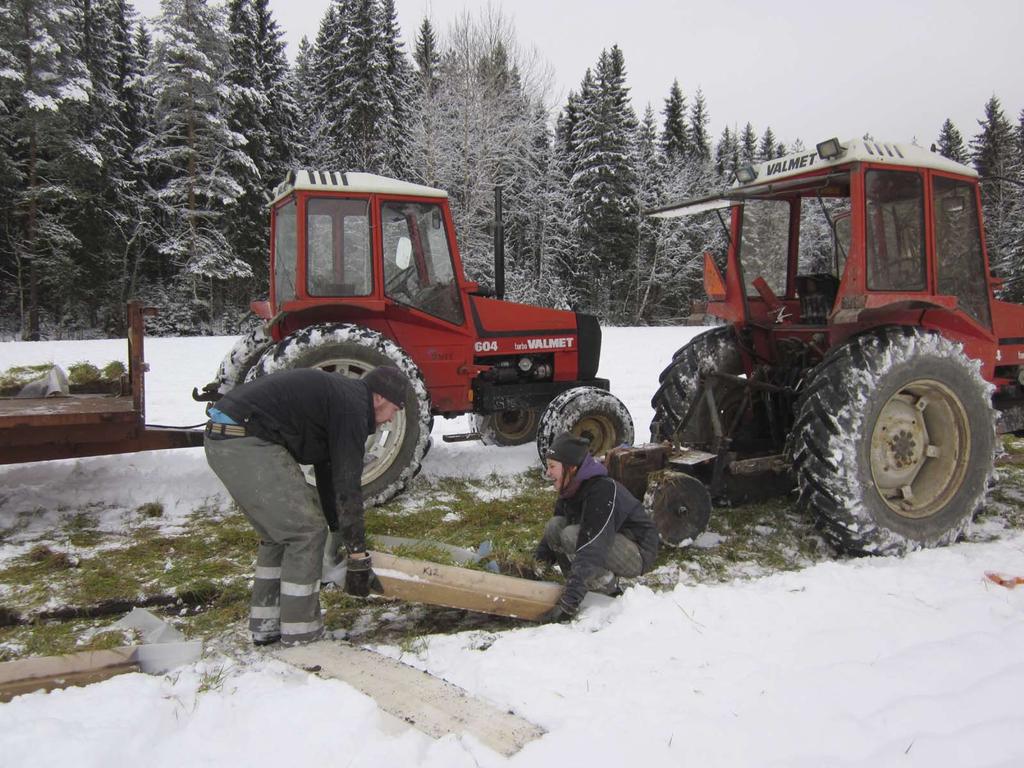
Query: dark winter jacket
column 601, row 507
column 322, row 419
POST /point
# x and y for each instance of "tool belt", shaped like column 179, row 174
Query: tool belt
column 225, row 430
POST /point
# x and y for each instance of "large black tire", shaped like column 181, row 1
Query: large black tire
column 507, row 427
column 246, row 352
column 711, row 351
column 894, row 442
column 354, row 351
column 588, row 412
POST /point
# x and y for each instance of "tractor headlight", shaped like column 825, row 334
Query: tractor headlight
column 525, row 364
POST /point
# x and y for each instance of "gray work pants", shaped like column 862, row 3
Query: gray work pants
column 623, row 555
column 269, row 487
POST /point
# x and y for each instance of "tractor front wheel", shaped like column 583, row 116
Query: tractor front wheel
column 507, row 427
column 246, row 352
column 713, row 351
column 587, row 412
column 394, row 452
column 893, row 443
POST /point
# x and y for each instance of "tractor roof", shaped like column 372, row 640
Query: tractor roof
column 363, row 183
column 763, row 177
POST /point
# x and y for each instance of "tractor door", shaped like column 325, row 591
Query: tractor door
column 426, row 312
column 959, row 258
column 418, row 268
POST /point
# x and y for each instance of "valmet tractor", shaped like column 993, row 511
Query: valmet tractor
column 862, row 352
column 365, row 271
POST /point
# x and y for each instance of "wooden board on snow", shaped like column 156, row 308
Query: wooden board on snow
column 419, row 581
column 45, row 673
column 432, row 705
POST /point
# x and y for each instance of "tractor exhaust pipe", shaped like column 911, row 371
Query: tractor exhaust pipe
column 499, row 247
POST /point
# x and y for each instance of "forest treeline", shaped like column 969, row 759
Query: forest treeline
column 136, row 159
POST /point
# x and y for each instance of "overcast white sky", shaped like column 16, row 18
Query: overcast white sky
column 810, row 70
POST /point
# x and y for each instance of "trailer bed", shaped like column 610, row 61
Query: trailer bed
column 43, row 428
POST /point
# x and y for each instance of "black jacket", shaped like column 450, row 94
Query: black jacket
column 603, row 507
column 322, row 419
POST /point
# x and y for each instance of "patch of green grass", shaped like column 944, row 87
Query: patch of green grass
column 513, row 523
column 150, row 510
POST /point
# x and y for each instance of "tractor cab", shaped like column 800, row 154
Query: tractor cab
column 327, row 228
column 850, row 235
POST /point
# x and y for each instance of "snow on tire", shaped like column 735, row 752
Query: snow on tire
column 398, row 447
column 711, row 351
column 588, row 412
column 894, row 441
column 246, row 352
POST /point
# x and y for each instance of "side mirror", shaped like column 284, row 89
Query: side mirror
column 403, row 253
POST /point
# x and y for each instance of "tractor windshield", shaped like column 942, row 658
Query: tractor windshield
column 764, row 245
column 822, row 208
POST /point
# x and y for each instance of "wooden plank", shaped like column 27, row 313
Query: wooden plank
column 434, row 706
column 9, row 690
column 418, row 581
column 49, row 672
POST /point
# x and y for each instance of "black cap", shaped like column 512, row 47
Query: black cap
column 569, row 449
column 389, row 383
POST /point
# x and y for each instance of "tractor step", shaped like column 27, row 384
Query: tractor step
column 462, row 437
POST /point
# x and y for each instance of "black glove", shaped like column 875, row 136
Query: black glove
column 557, row 614
column 360, row 579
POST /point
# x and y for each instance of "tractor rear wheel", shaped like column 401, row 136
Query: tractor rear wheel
column 507, row 427
column 894, row 441
column 712, row 351
column 589, row 412
column 246, row 352
column 397, row 448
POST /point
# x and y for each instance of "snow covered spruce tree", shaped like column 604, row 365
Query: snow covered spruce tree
column 951, row 143
column 109, row 213
column 674, row 282
column 261, row 108
column 426, row 111
column 41, row 78
column 192, row 153
column 604, row 187
column 358, row 83
column 996, row 154
column 699, row 119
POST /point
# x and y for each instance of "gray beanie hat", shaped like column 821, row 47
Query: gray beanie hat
column 568, row 449
column 389, row 383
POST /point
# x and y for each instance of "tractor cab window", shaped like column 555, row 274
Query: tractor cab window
column 958, row 255
column 764, row 245
column 285, row 249
column 895, row 231
column 418, row 268
column 824, row 241
column 338, row 255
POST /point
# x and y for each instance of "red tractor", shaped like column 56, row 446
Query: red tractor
column 365, row 271
column 862, row 352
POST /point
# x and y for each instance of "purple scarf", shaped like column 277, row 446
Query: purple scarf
column 588, row 469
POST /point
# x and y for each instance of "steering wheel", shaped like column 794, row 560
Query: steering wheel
column 399, row 282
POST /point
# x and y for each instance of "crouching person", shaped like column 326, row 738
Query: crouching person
column 599, row 530
column 259, row 433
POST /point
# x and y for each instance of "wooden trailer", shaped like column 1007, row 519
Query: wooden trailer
column 40, row 429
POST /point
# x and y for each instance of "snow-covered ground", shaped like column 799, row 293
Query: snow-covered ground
column 916, row 661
